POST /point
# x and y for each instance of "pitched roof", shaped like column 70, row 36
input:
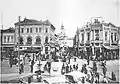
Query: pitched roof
column 10, row 30
column 28, row 22
column 33, row 22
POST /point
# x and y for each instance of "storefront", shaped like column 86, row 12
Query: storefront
column 111, row 52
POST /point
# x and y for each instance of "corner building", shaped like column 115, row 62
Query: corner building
column 35, row 34
column 100, row 39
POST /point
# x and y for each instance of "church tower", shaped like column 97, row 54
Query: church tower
column 62, row 30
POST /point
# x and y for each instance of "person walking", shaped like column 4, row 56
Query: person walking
column 71, row 68
column 21, row 69
column 77, row 67
column 10, row 61
column 113, row 76
column 94, row 67
column 31, row 65
column 104, row 70
column 67, row 68
column 63, row 69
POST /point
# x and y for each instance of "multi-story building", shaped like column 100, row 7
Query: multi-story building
column 7, row 41
column 35, row 34
column 100, row 38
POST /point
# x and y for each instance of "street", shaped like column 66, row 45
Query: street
column 8, row 73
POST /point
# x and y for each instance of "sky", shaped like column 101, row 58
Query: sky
column 72, row 13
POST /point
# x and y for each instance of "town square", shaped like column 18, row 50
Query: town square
column 60, row 42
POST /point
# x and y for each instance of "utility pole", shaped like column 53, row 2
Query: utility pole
column 19, row 44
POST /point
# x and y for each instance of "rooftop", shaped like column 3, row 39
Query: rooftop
column 34, row 22
column 9, row 30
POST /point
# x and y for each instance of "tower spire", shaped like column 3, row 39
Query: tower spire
column 62, row 26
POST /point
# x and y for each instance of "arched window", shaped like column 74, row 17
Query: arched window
column 38, row 40
column 29, row 40
column 21, row 40
column 46, row 39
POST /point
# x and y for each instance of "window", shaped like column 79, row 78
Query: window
column 27, row 30
column 96, row 34
column 36, row 30
column 8, row 39
column 30, row 30
column 38, row 40
column 5, row 39
column 46, row 30
column 115, row 36
column 106, row 33
column 83, row 37
column 46, row 40
column 39, row 29
column 112, row 37
column 88, row 35
column 22, row 30
column 96, row 31
column 11, row 38
column 46, row 50
column 29, row 40
column 21, row 40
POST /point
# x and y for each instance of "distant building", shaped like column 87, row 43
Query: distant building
column 62, row 37
column 98, row 37
column 35, row 34
column 7, row 41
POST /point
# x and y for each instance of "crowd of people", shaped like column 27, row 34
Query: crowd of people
column 92, row 75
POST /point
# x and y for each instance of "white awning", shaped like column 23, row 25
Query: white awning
column 111, row 47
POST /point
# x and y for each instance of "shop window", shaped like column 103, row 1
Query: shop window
column 29, row 40
column 38, row 40
column 21, row 40
column 22, row 30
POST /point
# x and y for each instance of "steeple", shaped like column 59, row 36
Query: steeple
column 62, row 26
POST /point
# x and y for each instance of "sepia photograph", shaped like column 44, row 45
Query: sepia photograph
column 59, row 41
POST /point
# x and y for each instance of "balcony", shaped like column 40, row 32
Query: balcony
column 97, row 41
column 37, row 44
column 28, row 44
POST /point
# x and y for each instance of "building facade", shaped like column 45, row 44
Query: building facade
column 35, row 34
column 98, row 38
column 7, row 41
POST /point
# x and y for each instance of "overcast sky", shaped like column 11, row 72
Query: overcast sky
column 72, row 13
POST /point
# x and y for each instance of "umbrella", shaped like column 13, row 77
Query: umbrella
column 76, row 74
column 56, row 79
